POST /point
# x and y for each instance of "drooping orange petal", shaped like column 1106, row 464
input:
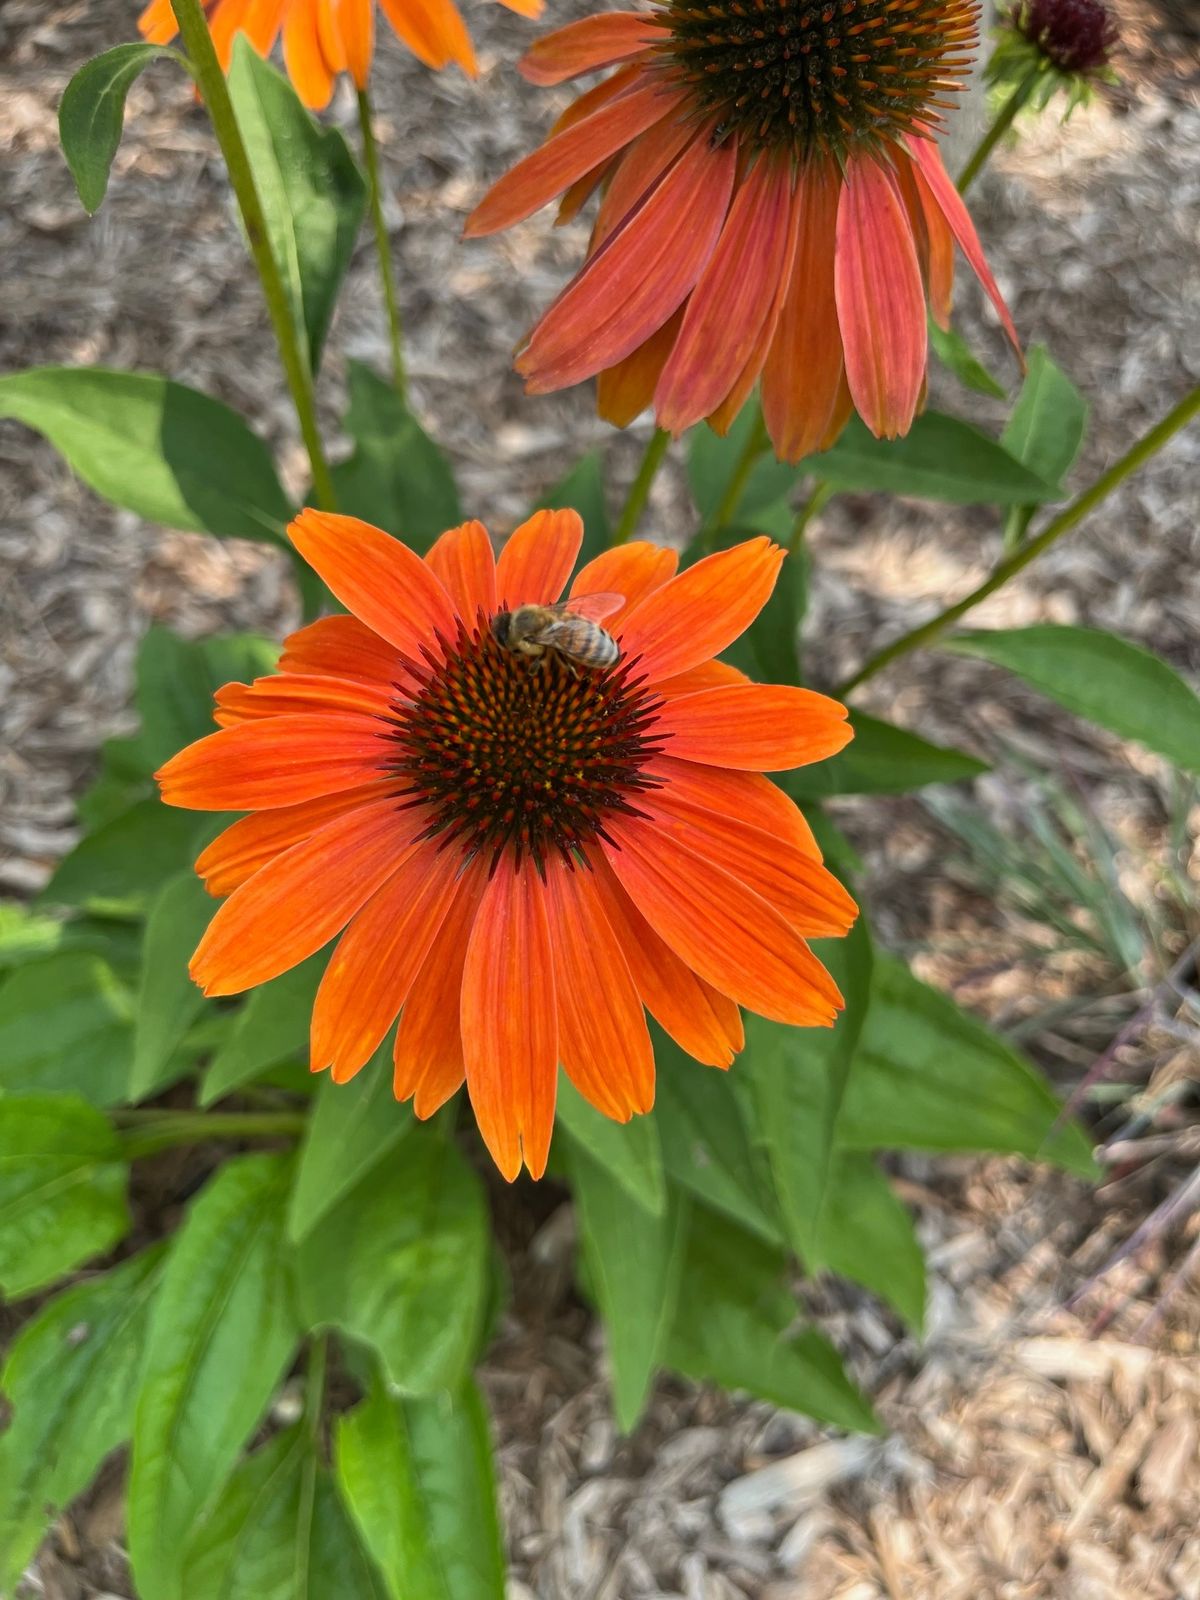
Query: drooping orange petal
column 581, row 191
column 639, row 277
column 807, row 894
column 289, row 693
column 340, row 647
column 301, row 899
column 748, row 795
column 708, row 675
column 625, row 390
column 755, row 727
column 251, row 842
column 721, row 929
column 434, row 31
column 308, row 66
column 278, row 762
column 157, row 22
column 635, row 570
column 949, row 202
column 428, row 1052
column 509, row 1021
column 703, row 610
column 592, row 99
column 462, row 558
column 554, row 166
column 603, row 1042
column 537, row 558
column 880, row 299
column 356, row 25
column 701, row 1020
column 376, row 577
column 803, row 369
column 377, row 960
column 639, row 168
column 731, row 301
column 525, row 8
column 259, row 20
column 584, row 46
column 225, row 22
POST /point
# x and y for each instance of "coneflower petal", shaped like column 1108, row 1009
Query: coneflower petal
column 434, row 31
column 759, row 727
column 290, row 694
column 307, row 65
column 747, row 795
column 356, row 24
column 339, row 647
column 537, row 558
column 249, row 843
column 462, row 558
column 592, row 42
column 259, row 765
column 635, row 570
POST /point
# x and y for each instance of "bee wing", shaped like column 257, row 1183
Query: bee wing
column 594, row 607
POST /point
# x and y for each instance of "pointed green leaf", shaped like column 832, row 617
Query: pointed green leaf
column 91, row 114
column 271, row 1027
column 629, row 1152
column 118, row 870
column 881, row 759
column 941, row 458
column 956, row 355
column 713, row 462
column 168, row 1000
column 176, row 681
column 868, row 1236
column 66, row 1025
column 1048, row 422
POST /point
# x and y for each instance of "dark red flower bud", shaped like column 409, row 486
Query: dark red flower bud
column 1076, row 35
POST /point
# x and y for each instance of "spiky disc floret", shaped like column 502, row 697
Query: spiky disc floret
column 515, row 755
column 1076, row 35
column 821, row 76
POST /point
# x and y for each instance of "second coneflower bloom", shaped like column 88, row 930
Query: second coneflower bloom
column 322, row 38
column 521, row 855
column 773, row 207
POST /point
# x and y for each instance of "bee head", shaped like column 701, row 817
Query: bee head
column 501, row 628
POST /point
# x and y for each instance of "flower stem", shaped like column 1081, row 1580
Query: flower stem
column 726, row 510
column 639, row 489
column 1147, row 446
column 211, row 81
column 812, row 507
column 145, row 1132
column 1002, row 122
column 314, row 1386
column 383, row 247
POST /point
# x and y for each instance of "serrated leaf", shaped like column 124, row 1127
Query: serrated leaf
column 629, row 1152
column 418, row 1480
column 168, row 1001
column 149, row 445
column 70, row 1382
column 222, row 1334
column 66, row 1025
column 1107, row 680
column 272, row 1026
column 62, row 1189
column 881, row 759
column 402, row 1264
column 940, row 459
column 91, row 114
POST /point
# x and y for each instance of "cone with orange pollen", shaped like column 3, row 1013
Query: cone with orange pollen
column 773, row 207
column 520, row 856
column 324, row 37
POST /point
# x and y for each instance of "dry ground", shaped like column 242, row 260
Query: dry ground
column 1027, row 1458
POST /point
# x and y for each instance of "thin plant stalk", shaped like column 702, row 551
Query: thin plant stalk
column 206, row 68
column 817, row 501
column 1146, row 447
column 756, row 442
column 639, row 489
column 999, row 126
column 383, row 246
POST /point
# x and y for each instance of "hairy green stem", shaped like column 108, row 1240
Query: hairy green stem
column 383, row 245
column 639, row 489
column 1000, row 125
column 189, row 14
column 1147, row 446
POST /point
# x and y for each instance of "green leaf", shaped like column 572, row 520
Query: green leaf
column 881, row 759
column 28, row 936
column 629, row 1152
column 799, row 1078
column 633, row 1261
column 713, row 461
column 279, row 1532
column 272, row 1026
column 168, row 1001
column 929, row 1077
column 91, row 115
column 941, row 458
column 121, row 868
column 397, row 477
column 352, row 1127
column 956, row 355
column 313, row 196
column 732, row 1327
column 151, row 445
column 70, row 1382
column 402, row 1264
column 582, row 490
column 66, row 1024
column 176, row 681
column 221, row 1337
column 62, row 1189
column 1048, row 422
column 417, row 1478
column 1107, row 680
column 868, row 1236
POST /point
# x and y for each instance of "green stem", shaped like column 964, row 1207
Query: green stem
column 1146, row 447
column 145, row 1132
column 383, row 245
column 1001, row 124
column 189, row 15
column 812, row 507
column 314, row 1385
column 639, row 489
column 756, row 442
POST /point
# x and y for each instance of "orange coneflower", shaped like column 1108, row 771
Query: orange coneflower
column 324, row 37
column 522, row 854
column 773, row 206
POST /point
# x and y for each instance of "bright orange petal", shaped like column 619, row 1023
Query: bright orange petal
column 584, row 46
column 537, row 558
column 525, row 8
column 747, row 795
column 880, row 299
column 377, row 960
column 299, row 901
column 703, row 610
column 434, row 31
column 603, row 1042
column 708, row 675
column 286, row 694
column 625, row 390
column 376, row 577
column 720, row 928
column 754, row 727
column 356, row 25
column 157, row 22
column 509, row 1026
column 251, row 842
column 340, row 647
column 635, row 570
column 278, row 762
column 310, row 70
column 462, row 558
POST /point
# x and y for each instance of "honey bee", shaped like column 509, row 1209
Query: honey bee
column 571, row 628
